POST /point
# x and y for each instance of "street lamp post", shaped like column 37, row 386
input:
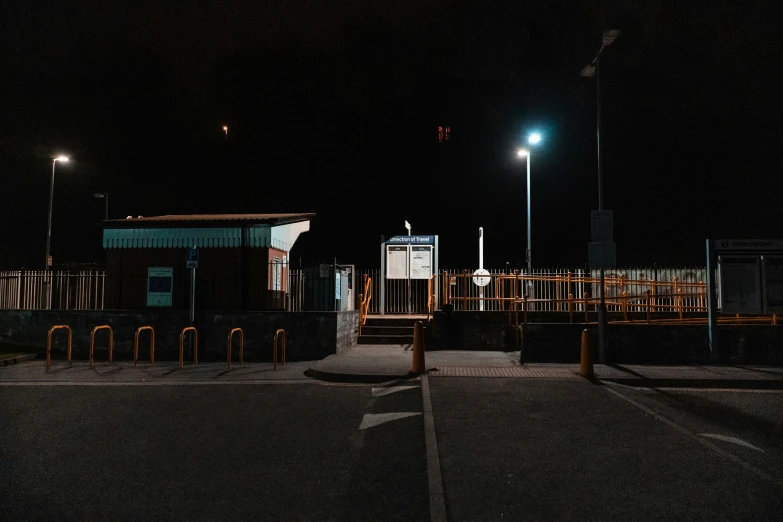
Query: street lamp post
column 533, row 139
column 590, row 70
column 47, row 263
column 105, row 197
column 524, row 153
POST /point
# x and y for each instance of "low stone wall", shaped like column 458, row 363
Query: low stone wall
column 309, row 335
column 626, row 343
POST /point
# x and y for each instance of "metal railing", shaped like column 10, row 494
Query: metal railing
column 365, row 298
column 547, row 289
column 432, row 295
column 58, row 290
column 136, row 344
column 241, row 347
column 182, row 345
column 92, row 341
column 277, row 338
column 560, row 293
column 49, row 342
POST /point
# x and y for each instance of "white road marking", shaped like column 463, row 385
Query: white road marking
column 732, row 457
column 370, row 420
column 437, row 496
column 388, row 390
column 707, row 390
column 733, row 440
column 158, row 383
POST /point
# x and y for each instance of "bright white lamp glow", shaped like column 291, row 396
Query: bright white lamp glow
column 522, row 153
column 62, row 159
column 534, row 138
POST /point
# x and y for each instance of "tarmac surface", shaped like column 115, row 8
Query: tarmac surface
column 496, row 441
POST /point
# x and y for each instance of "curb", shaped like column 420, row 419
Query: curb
column 18, row 359
column 361, row 378
column 750, row 384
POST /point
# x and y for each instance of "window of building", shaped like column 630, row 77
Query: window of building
column 277, row 274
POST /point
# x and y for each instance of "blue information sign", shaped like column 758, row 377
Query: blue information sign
column 192, row 260
column 411, row 240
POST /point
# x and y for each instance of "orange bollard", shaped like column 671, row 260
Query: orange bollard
column 586, row 359
column 418, row 366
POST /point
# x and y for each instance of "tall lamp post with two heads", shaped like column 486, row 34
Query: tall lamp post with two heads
column 590, row 70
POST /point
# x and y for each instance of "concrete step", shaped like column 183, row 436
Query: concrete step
column 386, row 339
column 387, row 330
column 386, row 320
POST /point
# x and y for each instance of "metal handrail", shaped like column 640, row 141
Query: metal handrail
column 182, row 344
column 364, row 302
column 92, row 341
column 432, row 290
column 277, row 334
column 136, row 344
column 241, row 347
column 49, row 342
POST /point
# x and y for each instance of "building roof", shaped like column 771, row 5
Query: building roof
column 189, row 219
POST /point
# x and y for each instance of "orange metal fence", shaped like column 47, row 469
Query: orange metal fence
column 622, row 295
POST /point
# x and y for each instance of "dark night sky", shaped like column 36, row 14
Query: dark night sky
column 333, row 108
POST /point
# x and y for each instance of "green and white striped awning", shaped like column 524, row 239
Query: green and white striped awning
column 211, row 237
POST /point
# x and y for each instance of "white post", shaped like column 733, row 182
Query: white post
column 481, row 266
column 410, row 300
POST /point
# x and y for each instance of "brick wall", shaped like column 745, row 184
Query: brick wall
column 347, row 333
column 309, row 335
column 557, row 342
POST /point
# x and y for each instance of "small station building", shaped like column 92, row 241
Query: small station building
column 241, row 260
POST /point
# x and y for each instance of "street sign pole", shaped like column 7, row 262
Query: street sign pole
column 192, row 263
column 602, row 232
column 602, row 305
column 382, row 302
column 481, row 267
column 712, row 304
column 410, row 253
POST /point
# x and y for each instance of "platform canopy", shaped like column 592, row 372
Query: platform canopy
column 206, row 231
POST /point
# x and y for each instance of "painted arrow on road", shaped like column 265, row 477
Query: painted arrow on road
column 371, row 420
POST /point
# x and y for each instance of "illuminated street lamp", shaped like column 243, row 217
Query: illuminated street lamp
column 61, row 159
column 533, row 139
column 48, row 263
column 590, row 70
column 225, row 129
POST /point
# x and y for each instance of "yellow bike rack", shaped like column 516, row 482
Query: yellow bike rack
column 241, row 347
column 92, row 341
column 277, row 336
column 136, row 344
column 182, row 343
column 49, row 342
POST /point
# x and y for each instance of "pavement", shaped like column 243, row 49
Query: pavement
column 481, row 437
column 159, row 372
column 13, row 354
column 375, row 363
column 378, row 363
